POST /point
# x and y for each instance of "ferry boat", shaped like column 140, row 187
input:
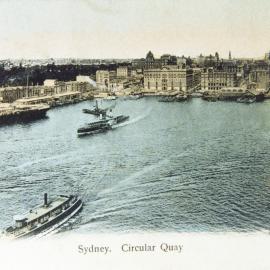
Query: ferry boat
column 101, row 126
column 95, row 127
column 120, row 118
column 41, row 219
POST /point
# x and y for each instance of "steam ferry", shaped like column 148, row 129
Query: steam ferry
column 94, row 127
column 101, row 126
column 120, row 118
column 42, row 219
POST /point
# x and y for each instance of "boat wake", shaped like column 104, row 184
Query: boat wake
column 134, row 120
column 34, row 162
column 130, row 179
column 70, row 219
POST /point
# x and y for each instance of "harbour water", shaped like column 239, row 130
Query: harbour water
column 173, row 167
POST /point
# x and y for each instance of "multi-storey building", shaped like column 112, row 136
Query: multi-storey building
column 138, row 63
column 215, row 80
column 260, row 74
column 50, row 88
column 151, row 62
column 167, row 59
column 261, row 78
column 123, row 72
column 196, row 79
column 103, row 77
column 168, row 79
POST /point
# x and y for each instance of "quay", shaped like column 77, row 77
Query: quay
column 14, row 113
column 55, row 100
column 52, row 92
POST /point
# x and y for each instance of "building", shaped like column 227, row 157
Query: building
column 48, row 89
column 50, row 82
column 196, row 79
column 260, row 74
column 123, row 72
column 151, row 62
column 168, row 79
column 118, row 85
column 87, row 79
column 215, row 80
column 181, row 61
column 103, row 78
column 167, row 59
column 138, row 63
column 261, row 78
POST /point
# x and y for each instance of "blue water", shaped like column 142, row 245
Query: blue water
column 173, row 167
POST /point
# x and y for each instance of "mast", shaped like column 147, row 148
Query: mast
column 27, row 85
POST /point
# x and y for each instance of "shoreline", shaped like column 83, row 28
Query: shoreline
column 12, row 113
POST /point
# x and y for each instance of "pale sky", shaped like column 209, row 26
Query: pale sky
column 130, row 28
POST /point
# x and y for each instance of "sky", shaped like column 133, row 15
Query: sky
column 130, row 28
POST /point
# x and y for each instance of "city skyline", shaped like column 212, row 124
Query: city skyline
column 128, row 29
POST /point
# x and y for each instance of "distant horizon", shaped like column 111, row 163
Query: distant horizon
column 131, row 58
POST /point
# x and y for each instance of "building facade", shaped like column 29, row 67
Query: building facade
column 103, row 77
column 151, row 62
column 215, row 80
column 123, row 72
column 260, row 74
column 168, row 80
column 261, row 78
column 11, row 94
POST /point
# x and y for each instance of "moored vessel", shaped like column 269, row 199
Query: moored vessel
column 246, row 100
column 167, row 99
column 134, row 96
column 97, row 111
column 110, row 97
column 22, row 113
column 180, row 98
column 49, row 215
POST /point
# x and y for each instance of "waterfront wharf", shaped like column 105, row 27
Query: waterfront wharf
column 54, row 100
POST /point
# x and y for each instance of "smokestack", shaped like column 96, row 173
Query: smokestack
column 45, row 199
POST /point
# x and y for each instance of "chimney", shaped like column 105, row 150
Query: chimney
column 45, row 199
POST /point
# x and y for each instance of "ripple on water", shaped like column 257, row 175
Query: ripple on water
column 193, row 166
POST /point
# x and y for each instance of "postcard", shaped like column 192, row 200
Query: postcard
column 134, row 134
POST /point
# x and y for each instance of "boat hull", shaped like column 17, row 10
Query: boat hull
column 94, row 112
column 86, row 133
column 23, row 116
column 74, row 208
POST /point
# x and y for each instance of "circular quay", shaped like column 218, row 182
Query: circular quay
column 135, row 134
